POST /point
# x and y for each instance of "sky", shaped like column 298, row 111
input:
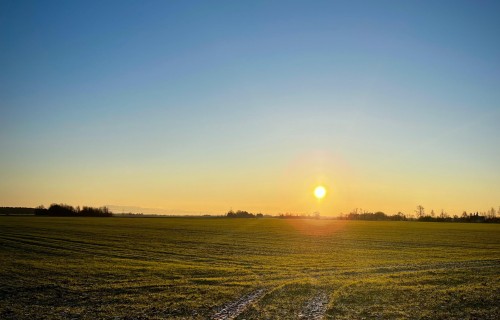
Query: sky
column 198, row 107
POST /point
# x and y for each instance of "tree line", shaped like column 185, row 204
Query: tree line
column 485, row 216
column 489, row 216
column 376, row 216
column 243, row 214
column 22, row 211
column 64, row 210
column 288, row 215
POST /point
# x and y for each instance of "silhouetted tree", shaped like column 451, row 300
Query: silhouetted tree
column 399, row 216
column 442, row 215
column 465, row 215
column 420, row 211
column 491, row 213
column 40, row 211
column 240, row 214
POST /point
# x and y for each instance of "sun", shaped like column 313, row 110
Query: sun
column 320, row 192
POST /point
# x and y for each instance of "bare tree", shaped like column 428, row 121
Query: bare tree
column 443, row 214
column 420, row 211
column 491, row 213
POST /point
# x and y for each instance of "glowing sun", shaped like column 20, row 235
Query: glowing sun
column 320, row 192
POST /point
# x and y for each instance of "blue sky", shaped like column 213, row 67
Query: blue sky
column 202, row 106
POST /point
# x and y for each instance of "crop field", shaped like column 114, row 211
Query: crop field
column 220, row 268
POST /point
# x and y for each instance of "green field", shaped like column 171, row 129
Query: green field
column 208, row 268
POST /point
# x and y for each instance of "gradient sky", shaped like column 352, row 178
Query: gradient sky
column 203, row 106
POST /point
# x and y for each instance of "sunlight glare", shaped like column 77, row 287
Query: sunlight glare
column 320, row 192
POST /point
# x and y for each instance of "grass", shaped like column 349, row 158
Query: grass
column 188, row 268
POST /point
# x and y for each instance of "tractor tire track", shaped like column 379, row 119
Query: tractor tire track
column 234, row 308
column 315, row 308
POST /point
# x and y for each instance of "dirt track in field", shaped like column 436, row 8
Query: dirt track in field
column 315, row 308
column 234, row 308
